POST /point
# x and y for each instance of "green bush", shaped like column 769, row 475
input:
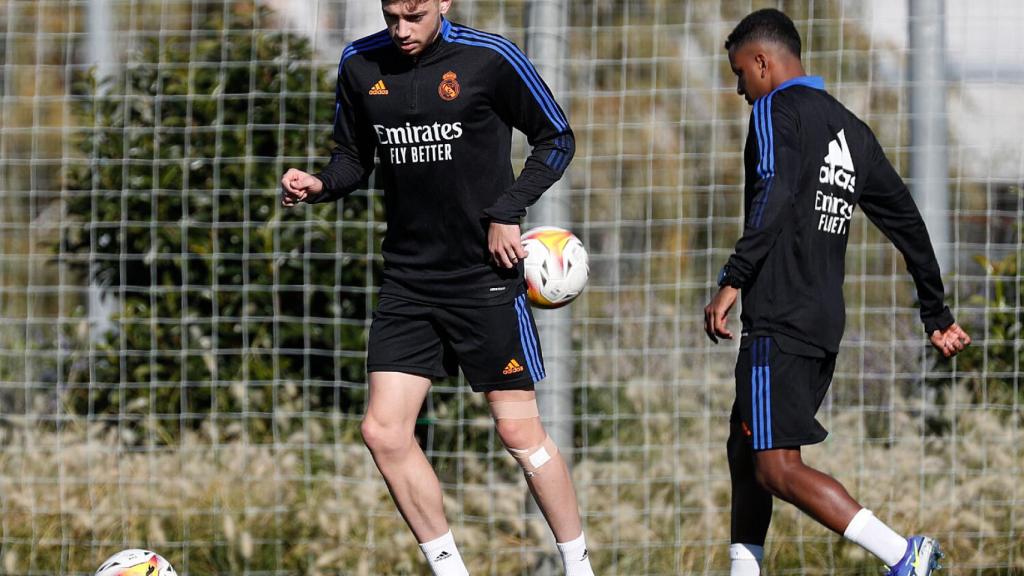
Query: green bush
column 995, row 357
column 174, row 209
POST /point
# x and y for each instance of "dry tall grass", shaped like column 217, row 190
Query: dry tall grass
column 305, row 506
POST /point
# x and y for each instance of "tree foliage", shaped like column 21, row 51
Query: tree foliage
column 220, row 293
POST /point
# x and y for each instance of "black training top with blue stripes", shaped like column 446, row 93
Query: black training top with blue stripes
column 809, row 162
column 441, row 125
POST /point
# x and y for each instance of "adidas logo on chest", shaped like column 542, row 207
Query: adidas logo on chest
column 838, row 168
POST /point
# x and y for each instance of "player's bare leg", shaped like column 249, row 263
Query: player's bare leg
column 550, row 484
column 783, row 473
column 546, row 473
column 388, row 431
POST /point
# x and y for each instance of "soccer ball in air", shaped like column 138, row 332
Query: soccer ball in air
column 136, row 562
column 556, row 266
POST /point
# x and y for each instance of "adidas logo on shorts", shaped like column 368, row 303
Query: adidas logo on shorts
column 513, row 367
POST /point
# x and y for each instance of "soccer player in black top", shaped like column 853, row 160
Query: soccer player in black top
column 809, row 161
column 437, row 103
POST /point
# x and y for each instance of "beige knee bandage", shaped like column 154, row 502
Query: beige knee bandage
column 515, row 410
column 531, row 459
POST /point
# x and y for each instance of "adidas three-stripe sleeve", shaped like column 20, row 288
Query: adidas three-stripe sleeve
column 439, row 126
column 775, row 141
column 808, row 163
column 526, row 103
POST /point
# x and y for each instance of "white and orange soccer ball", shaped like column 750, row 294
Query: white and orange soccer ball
column 556, row 266
column 136, row 562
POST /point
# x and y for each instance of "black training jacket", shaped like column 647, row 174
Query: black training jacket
column 809, row 161
column 441, row 124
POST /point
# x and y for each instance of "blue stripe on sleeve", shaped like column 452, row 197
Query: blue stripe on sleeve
column 566, row 157
column 759, row 133
column 766, row 164
column 551, row 159
column 758, row 215
column 558, row 159
column 766, row 139
column 521, row 64
column 555, row 154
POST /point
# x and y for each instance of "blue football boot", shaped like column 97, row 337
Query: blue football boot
column 920, row 559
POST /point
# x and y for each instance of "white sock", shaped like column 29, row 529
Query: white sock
column 575, row 557
column 746, row 559
column 444, row 557
column 875, row 537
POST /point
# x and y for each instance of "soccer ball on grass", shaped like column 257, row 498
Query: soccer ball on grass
column 136, row 562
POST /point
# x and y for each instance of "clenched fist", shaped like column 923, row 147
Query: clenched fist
column 298, row 186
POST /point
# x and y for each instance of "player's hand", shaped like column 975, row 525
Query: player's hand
column 716, row 314
column 505, row 245
column 950, row 341
column 298, row 186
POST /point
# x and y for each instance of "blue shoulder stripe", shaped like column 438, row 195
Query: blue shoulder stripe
column 372, row 42
column 526, row 65
column 758, row 133
column 766, row 145
column 521, row 64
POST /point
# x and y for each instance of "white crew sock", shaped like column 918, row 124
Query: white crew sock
column 444, row 557
column 875, row 537
column 575, row 557
column 746, row 559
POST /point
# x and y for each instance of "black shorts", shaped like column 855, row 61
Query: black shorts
column 496, row 346
column 780, row 384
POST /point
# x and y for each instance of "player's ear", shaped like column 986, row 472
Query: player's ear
column 762, row 63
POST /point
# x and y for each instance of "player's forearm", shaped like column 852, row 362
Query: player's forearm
column 898, row 218
column 341, row 176
column 543, row 168
column 924, row 268
column 764, row 224
column 751, row 249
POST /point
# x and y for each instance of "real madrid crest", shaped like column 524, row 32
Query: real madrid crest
column 449, row 88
